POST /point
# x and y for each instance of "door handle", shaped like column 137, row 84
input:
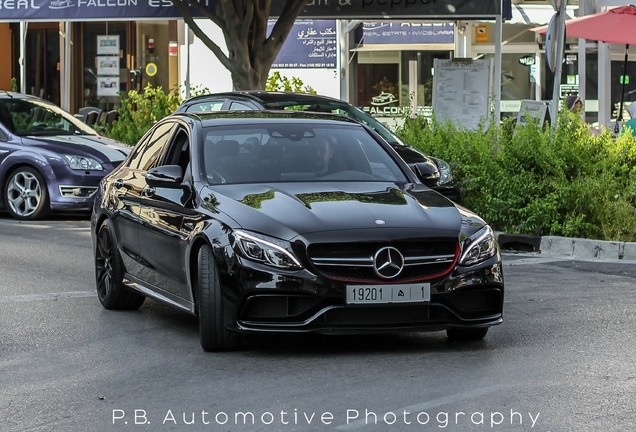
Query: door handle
column 149, row 191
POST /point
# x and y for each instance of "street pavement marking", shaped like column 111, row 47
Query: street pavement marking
column 46, row 296
column 358, row 424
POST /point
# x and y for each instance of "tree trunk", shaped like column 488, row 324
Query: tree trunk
column 251, row 51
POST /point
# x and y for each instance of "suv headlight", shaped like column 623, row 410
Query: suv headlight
column 266, row 250
column 479, row 247
column 83, row 163
column 445, row 174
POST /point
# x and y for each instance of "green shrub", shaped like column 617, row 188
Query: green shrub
column 278, row 82
column 526, row 180
column 140, row 110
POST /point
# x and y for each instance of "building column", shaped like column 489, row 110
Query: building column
column 604, row 85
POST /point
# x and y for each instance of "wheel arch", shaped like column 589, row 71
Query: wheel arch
column 18, row 160
column 193, row 262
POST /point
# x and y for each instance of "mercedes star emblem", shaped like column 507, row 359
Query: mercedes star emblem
column 388, row 262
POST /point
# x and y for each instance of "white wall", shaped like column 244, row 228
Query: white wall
column 207, row 72
column 205, row 69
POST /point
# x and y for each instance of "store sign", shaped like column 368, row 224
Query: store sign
column 527, row 60
column 310, row 44
column 79, row 10
column 481, row 33
column 407, row 33
column 397, row 111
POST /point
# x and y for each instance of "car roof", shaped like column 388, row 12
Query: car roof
column 265, row 116
column 12, row 95
column 265, row 97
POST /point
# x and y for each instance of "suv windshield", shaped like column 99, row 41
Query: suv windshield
column 25, row 117
column 342, row 109
column 295, row 152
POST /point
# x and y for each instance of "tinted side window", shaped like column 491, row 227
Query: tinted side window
column 237, row 106
column 206, row 106
column 148, row 154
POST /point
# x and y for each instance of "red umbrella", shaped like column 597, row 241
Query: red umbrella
column 616, row 26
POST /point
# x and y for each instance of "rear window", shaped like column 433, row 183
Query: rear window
column 295, row 153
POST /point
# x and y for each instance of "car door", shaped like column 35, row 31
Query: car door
column 163, row 235
column 125, row 188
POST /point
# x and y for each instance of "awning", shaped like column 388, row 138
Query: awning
column 535, row 14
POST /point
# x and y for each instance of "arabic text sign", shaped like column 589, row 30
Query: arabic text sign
column 310, row 44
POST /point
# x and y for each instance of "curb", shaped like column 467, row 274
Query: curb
column 566, row 246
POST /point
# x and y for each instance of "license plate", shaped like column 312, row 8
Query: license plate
column 381, row 294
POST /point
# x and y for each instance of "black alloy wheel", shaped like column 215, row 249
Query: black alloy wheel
column 209, row 301
column 26, row 195
column 466, row 334
column 109, row 274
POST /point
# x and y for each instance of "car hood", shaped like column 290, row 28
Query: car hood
column 101, row 148
column 290, row 209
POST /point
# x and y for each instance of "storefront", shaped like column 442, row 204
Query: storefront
column 112, row 47
column 394, row 62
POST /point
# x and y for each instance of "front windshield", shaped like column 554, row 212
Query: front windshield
column 295, row 152
column 26, row 117
column 342, row 109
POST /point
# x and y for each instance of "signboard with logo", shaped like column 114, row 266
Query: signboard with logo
column 310, row 44
column 481, row 33
column 80, row 10
column 527, row 60
column 461, row 91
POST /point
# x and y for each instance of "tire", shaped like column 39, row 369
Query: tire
column 26, row 195
column 209, row 301
column 109, row 274
column 466, row 334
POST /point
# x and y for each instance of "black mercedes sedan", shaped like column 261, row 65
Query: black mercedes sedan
column 276, row 221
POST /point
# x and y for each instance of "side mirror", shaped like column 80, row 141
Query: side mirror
column 427, row 172
column 167, row 176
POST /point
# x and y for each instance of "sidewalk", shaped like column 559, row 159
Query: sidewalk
column 572, row 247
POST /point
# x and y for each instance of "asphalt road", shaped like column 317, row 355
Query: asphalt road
column 563, row 360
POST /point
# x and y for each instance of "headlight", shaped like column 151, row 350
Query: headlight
column 266, row 250
column 445, row 174
column 83, row 163
column 479, row 247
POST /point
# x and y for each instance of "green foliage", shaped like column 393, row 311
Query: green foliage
column 14, row 85
column 278, row 82
column 139, row 111
column 525, row 180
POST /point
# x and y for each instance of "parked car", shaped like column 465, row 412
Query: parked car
column 261, row 100
column 49, row 160
column 284, row 221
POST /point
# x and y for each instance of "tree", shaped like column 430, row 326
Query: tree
column 244, row 25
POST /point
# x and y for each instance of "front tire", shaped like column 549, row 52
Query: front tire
column 109, row 274
column 466, row 334
column 212, row 332
column 26, row 195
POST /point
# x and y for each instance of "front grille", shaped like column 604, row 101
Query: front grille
column 353, row 262
column 77, row 191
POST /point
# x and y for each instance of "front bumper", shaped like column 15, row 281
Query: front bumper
column 260, row 301
column 74, row 190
